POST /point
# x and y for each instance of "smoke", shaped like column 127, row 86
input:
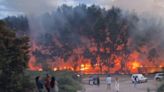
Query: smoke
column 48, row 5
column 150, row 12
column 33, row 9
column 150, row 7
column 31, row 6
column 147, row 30
column 37, row 7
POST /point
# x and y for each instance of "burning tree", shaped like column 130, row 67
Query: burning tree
column 96, row 39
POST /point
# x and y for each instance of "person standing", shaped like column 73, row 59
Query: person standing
column 135, row 80
column 94, row 80
column 47, row 83
column 53, row 84
column 56, row 86
column 117, row 86
column 39, row 84
column 90, row 80
column 98, row 81
column 108, row 82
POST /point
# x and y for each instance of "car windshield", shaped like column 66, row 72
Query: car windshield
column 138, row 75
column 161, row 74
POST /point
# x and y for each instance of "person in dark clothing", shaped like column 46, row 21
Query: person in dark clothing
column 98, row 80
column 95, row 80
column 52, row 82
column 135, row 81
column 39, row 84
column 47, row 83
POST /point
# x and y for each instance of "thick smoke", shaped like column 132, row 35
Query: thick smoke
column 33, row 9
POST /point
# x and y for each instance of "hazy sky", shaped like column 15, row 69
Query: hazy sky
column 8, row 7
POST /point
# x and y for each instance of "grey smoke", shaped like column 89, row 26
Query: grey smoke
column 46, row 5
column 35, row 8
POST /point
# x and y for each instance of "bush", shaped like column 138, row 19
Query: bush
column 67, row 83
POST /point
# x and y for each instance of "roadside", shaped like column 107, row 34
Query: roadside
column 125, row 86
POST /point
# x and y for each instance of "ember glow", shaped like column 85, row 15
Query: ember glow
column 134, row 64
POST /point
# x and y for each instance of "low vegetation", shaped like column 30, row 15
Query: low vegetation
column 67, row 81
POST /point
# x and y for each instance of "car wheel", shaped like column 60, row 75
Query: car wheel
column 158, row 79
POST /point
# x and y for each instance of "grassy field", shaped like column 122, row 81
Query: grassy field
column 67, row 81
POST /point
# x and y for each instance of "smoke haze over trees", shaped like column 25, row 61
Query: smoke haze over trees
column 92, row 33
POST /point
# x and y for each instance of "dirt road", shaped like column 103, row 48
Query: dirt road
column 125, row 86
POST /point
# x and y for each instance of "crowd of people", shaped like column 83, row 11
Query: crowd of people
column 48, row 84
column 95, row 80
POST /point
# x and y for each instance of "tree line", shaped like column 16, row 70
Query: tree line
column 109, row 31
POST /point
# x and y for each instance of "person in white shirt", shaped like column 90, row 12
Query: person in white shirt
column 117, row 86
column 109, row 82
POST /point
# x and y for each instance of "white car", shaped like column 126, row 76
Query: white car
column 159, row 76
column 139, row 78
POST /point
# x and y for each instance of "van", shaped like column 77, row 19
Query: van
column 140, row 78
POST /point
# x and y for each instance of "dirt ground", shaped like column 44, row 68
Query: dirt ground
column 125, row 86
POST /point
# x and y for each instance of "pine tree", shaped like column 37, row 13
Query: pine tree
column 13, row 61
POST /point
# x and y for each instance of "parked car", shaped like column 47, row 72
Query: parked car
column 159, row 76
column 140, row 78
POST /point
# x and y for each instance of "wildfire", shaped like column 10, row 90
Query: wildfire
column 32, row 64
column 133, row 64
column 85, row 67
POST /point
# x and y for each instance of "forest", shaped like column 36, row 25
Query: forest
column 110, row 39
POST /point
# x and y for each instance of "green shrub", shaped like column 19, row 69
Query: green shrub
column 67, row 83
